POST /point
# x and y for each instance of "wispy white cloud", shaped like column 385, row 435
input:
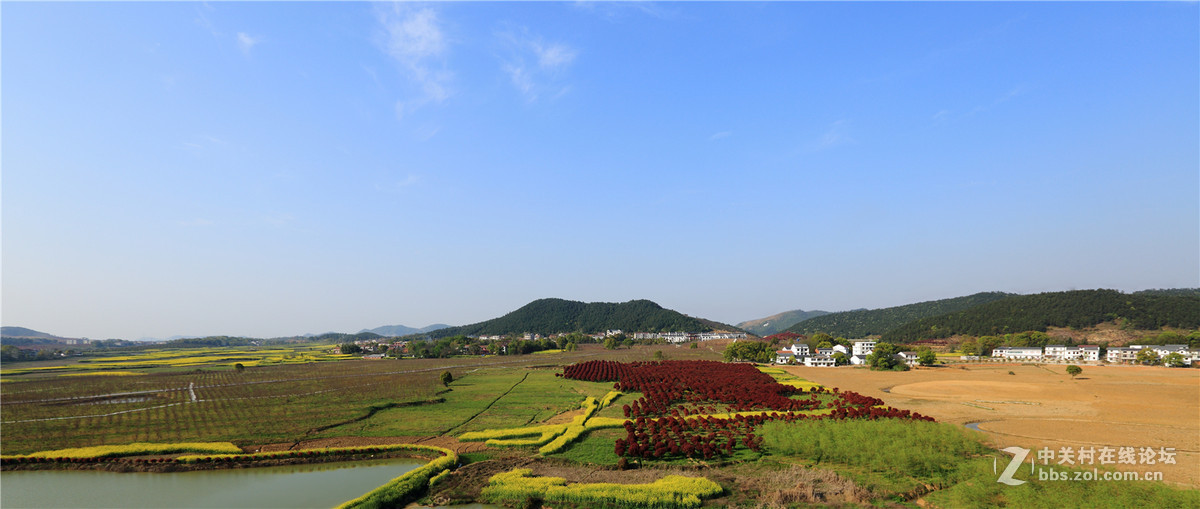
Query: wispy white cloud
column 553, row 56
column 534, row 66
column 944, row 116
column 413, row 37
column 247, row 42
column 722, row 134
column 837, row 134
column 616, row 11
column 396, row 186
column 941, row 116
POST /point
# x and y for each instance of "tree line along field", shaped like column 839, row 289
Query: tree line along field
column 773, row 440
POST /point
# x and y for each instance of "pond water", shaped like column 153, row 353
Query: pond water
column 320, row 485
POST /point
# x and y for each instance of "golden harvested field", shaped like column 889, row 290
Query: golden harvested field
column 1041, row 406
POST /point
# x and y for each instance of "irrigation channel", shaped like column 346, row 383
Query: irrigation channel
column 318, row 486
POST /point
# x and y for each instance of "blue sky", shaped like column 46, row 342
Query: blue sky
column 272, row 169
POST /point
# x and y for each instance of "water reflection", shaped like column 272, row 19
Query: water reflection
column 321, row 485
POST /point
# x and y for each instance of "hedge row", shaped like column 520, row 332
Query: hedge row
column 405, row 488
column 497, row 434
column 109, row 453
column 608, row 398
column 518, row 488
column 134, row 449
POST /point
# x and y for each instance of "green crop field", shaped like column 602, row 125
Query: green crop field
column 136, row 402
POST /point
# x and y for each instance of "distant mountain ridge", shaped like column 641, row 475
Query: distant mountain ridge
column 550, row 316
column 1146, row 310
column 22, row 332
column 778, row 322
column 863, row 323
column 403, row 330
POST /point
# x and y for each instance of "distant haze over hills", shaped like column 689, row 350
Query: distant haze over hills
column 402, row 330
column 778, row 322
column 550, row 316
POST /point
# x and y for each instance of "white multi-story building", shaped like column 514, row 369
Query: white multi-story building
column 1117, row 354
column 798, row 349
column 863, row 348
column 819, row 361
column 1055, row 351
column 1017, row 352
column 1089, row 353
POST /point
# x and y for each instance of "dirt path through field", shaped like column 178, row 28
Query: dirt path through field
column 1042, row 406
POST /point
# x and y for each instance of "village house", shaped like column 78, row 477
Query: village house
column 1055, row 351
column 1090, row 353
column 909, row 358
column 1017, row 352
column 862, row 348
column 798, row 349
column 819, row 361
column 1120, row 354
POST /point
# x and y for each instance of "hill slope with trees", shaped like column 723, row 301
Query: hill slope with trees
column 550, row 316
column 862, row 323
column 778, row 322
column 1148, row 310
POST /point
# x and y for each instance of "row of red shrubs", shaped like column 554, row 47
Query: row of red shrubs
column 662, row 424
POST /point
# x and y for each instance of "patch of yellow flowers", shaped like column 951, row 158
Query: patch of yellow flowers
column 671, row 492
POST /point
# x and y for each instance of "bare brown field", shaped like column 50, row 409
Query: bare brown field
column 1041, row 406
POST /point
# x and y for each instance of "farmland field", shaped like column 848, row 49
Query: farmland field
column 1041, row 406
column 741, row 427
column 285, row 402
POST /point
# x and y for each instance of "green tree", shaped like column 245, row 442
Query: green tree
column 1148, row 357
column 610, row 343
column 883, row 357
column 815, row 340
column 926, row 357
column 349, row 348
column 694, row 346
column 753, row 351
column 447, row 378
column 1174, row 360
column 10, row 353
column 239, row 367
column 1074, row 370
column 840, row 359
column 658, row 355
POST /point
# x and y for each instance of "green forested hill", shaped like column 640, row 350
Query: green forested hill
column 1079, row 308
column 862, row 323
column 548, row 316
column 775, row 323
